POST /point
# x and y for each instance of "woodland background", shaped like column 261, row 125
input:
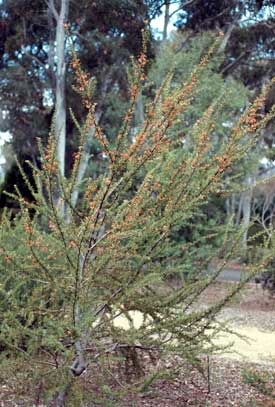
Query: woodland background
column 105, row 35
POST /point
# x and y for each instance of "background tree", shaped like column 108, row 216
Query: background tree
column 185, row 53
column 249, row 58
column 104, row 35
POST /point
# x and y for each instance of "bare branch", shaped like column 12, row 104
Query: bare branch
column 181, row 7
column 234, row 63
column 52, row 8
column 36, row 59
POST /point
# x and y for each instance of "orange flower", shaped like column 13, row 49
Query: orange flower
column 72, row 244
column 8, row 259
column 125, row 155
column 27, row 228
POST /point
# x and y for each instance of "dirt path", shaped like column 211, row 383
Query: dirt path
column 251, row 315
column 258, row 348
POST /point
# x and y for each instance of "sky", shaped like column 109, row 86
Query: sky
column 5, row 136
column 157, row 23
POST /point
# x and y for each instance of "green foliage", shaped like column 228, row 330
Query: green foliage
column 73, row 278
column 263, row 381
column 180, row 55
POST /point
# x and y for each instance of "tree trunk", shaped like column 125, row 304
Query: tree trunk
column 229, row 209
column 246, row 210
column 166, row 20
column 58, row 78
column 139, row 111
column 226, row 37
column 51, row 48
column 228, row 33
column 239, row 213
column 84, row 161
column 60, row 97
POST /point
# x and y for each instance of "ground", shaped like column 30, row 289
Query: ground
column 229, row 381
column 233, row 380
column 227, row 388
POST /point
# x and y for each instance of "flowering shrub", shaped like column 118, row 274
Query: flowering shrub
column 70, row 278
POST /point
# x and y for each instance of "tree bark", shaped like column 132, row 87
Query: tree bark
column 60, row 97
column 239, row 212
column 56, row 59
column 166, row 20
column 226, row 37
column 228, row 33
column 51, row 47
column 84, row 161
column 139, row 111
column 246, row 210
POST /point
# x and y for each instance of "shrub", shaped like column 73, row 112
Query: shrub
column 68, row 276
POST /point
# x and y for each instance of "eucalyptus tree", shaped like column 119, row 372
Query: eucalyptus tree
column 36, row 77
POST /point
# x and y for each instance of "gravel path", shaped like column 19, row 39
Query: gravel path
column 263, row 320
